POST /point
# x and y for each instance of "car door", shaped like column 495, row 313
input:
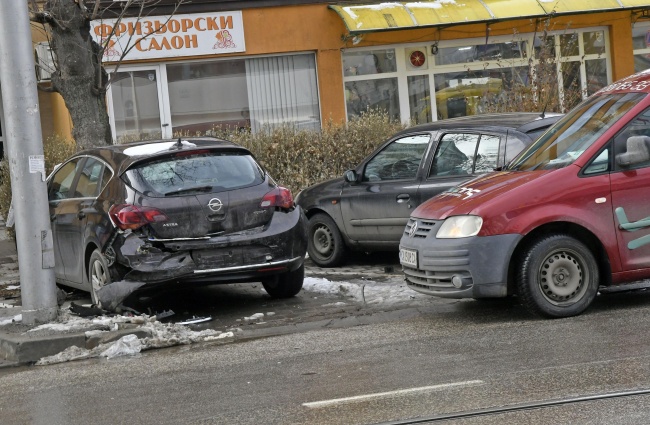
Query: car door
column 70, row 214
column 61, row 203
column 460, row 156
column 376, row 209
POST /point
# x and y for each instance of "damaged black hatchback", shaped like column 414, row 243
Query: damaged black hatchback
column 174, row 211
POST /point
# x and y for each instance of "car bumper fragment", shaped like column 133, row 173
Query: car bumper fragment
column 279, row 247
column 474, row 267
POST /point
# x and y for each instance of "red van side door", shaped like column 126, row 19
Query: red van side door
column 631, row 201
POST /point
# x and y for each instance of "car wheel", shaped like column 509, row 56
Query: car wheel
column 325, row 244
column 99, row 274
column 285, row 285
column 557, row 277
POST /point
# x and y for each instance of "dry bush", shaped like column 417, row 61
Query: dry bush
column 56, row 150
column 300, row 158
column 540, row 91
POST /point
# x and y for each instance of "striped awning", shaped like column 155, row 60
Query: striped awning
column 368, row 17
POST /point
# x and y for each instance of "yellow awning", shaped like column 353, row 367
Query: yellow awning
column 369, row 17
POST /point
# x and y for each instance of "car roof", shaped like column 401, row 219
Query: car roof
column 122, row 156
column 520, row 121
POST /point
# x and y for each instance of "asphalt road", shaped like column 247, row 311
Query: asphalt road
column 464, row 357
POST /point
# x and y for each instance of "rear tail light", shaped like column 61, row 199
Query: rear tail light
column 280, row 197
column 127, row 216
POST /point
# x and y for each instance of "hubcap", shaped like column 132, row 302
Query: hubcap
column 98, row 276
column 323, row 241
column 562, row 277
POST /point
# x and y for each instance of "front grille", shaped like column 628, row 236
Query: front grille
column 423, row 227
column 437, row 269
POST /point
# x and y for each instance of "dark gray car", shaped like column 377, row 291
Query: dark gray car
column 368, row 208
column 174, row 211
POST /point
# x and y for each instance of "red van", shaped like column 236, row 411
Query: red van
column 568, row 215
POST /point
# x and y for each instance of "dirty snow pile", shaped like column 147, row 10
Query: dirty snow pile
column 367, row 293
column 160, row 335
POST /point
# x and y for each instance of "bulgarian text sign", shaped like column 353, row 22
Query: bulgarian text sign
column 170, row 36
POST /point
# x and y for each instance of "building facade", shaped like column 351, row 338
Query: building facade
column 260, row 63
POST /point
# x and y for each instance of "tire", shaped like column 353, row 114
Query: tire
column 285, row 285
column 557, row 277
column 325, row 244
column 99, row 274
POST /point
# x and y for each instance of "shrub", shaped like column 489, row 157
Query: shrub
column 300, row 158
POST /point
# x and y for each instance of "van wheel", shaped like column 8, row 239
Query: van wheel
column 557, row 277
column 325, row 244
column 285, row 285
column 99, row 274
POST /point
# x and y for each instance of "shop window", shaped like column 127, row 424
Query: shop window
column 641, row 45
column 481, row 52
column 419, row 99
column 469, row 92
column 243, row 94
column 377, row 94
column 369, row 62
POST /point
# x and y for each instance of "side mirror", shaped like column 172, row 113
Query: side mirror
column 637, row 152
column 351, row 176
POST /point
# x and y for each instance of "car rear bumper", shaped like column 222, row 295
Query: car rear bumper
column 244, row 256
column 474, row 267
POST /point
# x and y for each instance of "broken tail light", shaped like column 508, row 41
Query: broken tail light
column 280, row 197
column 127, row 216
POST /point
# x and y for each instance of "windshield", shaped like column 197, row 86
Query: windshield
column 578, row 130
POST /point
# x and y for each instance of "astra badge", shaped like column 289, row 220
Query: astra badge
column 413, row 229
column 215, row 204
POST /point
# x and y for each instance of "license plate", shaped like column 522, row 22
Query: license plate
column 408, row 257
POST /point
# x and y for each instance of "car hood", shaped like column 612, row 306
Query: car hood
column 466, row 198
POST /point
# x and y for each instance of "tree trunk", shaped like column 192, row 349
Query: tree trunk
column 80, row 77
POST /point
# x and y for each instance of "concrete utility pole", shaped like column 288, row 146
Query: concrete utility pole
column 24, row 143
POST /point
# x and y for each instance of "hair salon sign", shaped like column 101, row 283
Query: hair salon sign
column 170, row 36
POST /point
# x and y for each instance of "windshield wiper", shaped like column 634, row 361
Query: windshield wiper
column 189, row 190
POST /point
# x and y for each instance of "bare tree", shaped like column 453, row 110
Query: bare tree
column 79, row 75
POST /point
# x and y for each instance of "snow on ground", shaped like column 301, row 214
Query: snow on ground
column 366, row 292
column 162, row 335
column 10, row 320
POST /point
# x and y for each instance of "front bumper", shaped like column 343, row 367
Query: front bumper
column 474, row 267
column 251, row 255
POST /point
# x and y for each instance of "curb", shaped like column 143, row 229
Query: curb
column 21, row 349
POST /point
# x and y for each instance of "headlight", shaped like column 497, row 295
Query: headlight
column 460, row 226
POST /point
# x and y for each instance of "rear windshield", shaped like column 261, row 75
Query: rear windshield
column 188, row 174
column 574, row 133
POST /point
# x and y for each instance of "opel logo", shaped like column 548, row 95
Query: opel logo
column 215, row 204
column 413, row 229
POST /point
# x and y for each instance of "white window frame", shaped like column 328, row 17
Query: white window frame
column 402, row 72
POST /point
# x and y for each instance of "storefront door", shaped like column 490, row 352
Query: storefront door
column 136, row 101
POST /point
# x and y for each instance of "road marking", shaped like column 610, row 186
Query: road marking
column 324, row 403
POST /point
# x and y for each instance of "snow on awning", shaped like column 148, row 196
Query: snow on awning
column 369, row 17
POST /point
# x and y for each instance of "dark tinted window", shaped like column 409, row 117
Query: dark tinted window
column 90, row 179
column 60, row 186
column 188, row 174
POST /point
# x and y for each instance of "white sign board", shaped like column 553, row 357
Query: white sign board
column 153, row 37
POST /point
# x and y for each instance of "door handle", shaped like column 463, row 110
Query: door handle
column 403, row 197
column 81, row 215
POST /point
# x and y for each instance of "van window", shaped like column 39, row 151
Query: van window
column 574, row 133
column 639, row 126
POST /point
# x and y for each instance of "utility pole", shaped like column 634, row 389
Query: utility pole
column 24, row 150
